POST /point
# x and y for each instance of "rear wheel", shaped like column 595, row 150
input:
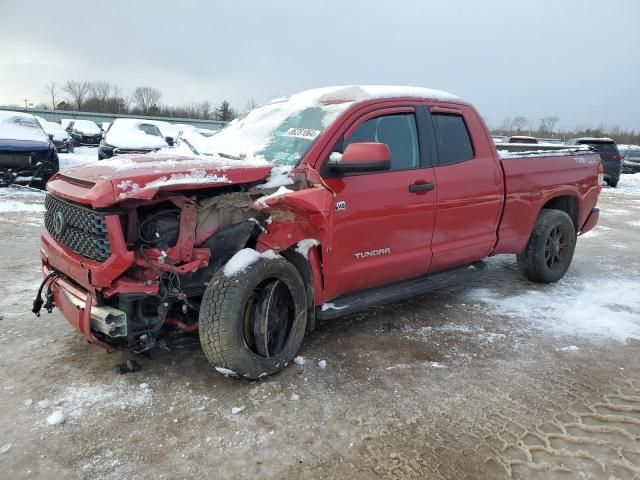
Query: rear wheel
column 550, row 249
column 253, row 323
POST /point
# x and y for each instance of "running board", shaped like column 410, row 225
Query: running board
column 393, row 292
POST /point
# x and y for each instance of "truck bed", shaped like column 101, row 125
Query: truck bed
column 533, row 179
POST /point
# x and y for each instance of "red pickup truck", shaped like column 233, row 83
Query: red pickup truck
column 309, row 207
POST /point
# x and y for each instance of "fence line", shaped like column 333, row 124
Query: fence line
column 57, row 115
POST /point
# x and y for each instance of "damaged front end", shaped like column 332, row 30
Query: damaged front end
column 120, row 274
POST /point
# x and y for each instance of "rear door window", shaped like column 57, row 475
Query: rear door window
column 452, row 138
column 604, row 147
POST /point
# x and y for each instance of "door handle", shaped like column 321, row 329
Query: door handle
column 421, row 187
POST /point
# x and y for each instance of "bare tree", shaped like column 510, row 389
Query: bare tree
column 205, row 109
column 146, row 98
column 77, row 91
column 548, row 124
column 52, row 91
column 100, row 91
column 519, row 123
column 251, row 104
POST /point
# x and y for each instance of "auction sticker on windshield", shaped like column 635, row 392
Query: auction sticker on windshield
column 307, row 133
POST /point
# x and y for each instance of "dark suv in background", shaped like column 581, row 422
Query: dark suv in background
column 611, row 158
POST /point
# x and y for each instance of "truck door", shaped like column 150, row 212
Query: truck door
column 383, row 221
column 469, row 188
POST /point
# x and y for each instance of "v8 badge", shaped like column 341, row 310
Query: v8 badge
column 341, row 205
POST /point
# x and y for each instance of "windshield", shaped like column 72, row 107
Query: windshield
column 17, row 126
column 280, row 132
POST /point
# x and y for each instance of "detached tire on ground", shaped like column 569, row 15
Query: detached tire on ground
column 253, row 323
column 550, row 249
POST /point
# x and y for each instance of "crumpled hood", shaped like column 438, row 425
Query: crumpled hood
column 105, row 183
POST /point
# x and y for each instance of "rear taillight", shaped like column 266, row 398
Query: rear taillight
column 600, row 174
column 617, row 156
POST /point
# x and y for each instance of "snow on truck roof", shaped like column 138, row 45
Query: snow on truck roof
column 356, row 93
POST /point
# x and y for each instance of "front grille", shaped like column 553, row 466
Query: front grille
column 81, row 229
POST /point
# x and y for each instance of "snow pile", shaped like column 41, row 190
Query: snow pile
column 129, row 133
column 278, row 193
column 237, row 410
column 302, row 117
column 56, row 418
column 295, row 397
column 605, row 309
column 322, row 364
column 299, row 360
column 21, row 126
column 245, row 257
column 305, row 245
column 5, row 448
column 278, row 178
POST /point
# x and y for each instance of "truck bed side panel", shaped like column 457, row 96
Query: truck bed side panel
column 533, row 181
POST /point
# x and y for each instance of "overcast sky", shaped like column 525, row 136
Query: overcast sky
column 575, row 59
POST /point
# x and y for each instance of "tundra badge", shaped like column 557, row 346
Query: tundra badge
column 373, row 253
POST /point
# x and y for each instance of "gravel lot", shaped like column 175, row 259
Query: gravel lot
column 499, row 379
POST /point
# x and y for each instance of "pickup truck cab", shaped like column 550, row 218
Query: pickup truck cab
column 309, row 207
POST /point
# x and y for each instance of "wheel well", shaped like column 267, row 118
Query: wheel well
column 302, row 265
column 567, row 204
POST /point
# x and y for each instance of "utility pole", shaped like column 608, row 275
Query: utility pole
column 26, row 101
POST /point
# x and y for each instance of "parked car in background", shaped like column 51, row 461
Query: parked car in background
column 203, row 131
column 64, row 122
column 130, row 135
column 631, row 158
column 522, row 139
column 84, row 132
column 609, row 155
column 168, row 130
column 58, row 135
column 27, row 154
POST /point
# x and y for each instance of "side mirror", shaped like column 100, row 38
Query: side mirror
column 50, row 136
column 362, row 157
column 169, row 141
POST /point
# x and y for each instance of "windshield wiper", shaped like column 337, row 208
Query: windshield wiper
column 231, row 157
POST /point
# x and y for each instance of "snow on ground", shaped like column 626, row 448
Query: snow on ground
column 80, row 156
column 584, row 307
